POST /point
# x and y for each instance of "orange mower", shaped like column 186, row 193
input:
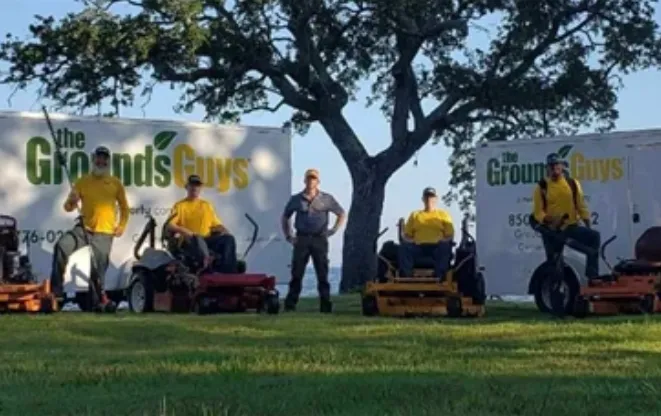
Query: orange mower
column 633, row 286
column 19, row 289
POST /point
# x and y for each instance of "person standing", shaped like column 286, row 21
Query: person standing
column 311, row 207
column 99, row 195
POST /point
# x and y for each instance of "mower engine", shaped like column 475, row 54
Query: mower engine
column 16, row 268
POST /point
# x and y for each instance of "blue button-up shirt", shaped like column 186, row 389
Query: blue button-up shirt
column 312, row 214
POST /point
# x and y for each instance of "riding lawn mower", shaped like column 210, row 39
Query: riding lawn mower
column 168, row 280
column 460, row 293
column 19, row 289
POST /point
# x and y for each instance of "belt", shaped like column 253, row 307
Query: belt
column 319, row 234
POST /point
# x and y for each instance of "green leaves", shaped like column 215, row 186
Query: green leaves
column 163, row 139
column 564, row 150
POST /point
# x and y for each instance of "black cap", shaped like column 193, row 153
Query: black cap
column 429, row 191
column 553, row 159
column 102, row 151
column 194, row 180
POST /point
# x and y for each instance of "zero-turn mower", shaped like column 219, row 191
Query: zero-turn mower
column 460, row 293
column 633, row 286
column 19, row 289
column 167, row 280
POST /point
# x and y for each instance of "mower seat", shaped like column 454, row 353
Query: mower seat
column 629, row 267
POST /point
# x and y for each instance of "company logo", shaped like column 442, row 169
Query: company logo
column 508, row 169
column 155, row 165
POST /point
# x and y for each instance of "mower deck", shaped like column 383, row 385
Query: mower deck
column 624, row 294
column 30, row 297
column 418, row 296
column 220, row 293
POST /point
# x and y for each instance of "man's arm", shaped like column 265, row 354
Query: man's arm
column 216, row 224
column 286, row 216
column 340, row 214
column 123, row 209
column 448, row 227
column 71, row 202
column 408, row 233
column 583, row 211
column 175, row 222
column 537, row 206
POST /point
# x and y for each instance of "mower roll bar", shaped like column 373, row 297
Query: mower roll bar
column 255, row 232
column 602, row 251
column 7, row 221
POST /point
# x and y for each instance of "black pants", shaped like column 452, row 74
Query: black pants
column 585, row 236
column 223, row 247
column 439, row 255
column 73, row 240
column 306, row 246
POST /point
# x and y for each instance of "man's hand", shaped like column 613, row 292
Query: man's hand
column 330, row 232
column 119, row 231
column 73, row 197
column 219, row 229
column 291, row 239
column 548, row 219
column 186, row 233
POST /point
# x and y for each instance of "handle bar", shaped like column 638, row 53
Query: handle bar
column 602, row 252
column 254, row 235
column 148, row 231
column 8, row 221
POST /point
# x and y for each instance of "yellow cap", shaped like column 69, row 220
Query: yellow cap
column 312, row 173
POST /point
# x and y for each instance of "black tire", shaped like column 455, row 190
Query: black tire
column 581, row 308
column 647, row 304
column 46, row 306
column 199, row 307
column 140, row 294
column 272, row 304
column 480, row 295
column 454, row 307
column 369, row 305
column 241, row 266
column 84, row 301
column 542, row 293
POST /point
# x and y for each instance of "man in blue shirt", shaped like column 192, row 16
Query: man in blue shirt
column 311, row 207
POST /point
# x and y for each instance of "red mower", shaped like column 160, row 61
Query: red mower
column 166, row 280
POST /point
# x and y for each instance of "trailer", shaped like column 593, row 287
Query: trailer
column 619, row 173
column 245, row 169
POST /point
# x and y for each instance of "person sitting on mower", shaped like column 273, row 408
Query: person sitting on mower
column 428, row 233
column 100, row 194
column 558, row 206
column 196, row 221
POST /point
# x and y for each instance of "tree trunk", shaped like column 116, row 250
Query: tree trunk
column 362, row 229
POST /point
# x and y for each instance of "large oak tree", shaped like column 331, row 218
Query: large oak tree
column 548, row 66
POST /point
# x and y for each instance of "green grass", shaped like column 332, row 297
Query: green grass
column 514, row 362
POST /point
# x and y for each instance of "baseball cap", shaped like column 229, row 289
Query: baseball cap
column 553, row 159
column 194, row 180
column 429, row 191
column 312, row 173
column 102, row 151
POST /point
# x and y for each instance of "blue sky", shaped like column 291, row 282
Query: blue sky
column 637, row 104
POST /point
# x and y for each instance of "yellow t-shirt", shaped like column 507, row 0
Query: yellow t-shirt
column 560, row 201
column 100, row 197
column 429, row 227
column 196, row 215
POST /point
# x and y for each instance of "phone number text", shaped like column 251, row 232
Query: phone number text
column 518, row 220
column 40, row 236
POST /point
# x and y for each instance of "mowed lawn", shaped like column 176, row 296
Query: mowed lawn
column 515, row 362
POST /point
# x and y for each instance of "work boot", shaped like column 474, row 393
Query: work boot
column 290, row 307
column 325, row 306
column 106, row 305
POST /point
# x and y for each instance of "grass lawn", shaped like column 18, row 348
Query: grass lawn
column 515, row 362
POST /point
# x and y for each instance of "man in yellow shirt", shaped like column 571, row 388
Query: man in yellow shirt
column 196, row 221
column 558, row 206
column 99, row 194
column 427, row 233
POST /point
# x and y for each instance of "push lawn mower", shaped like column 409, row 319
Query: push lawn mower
column 461, row 292
column 167, row 280
column 633, row 286
column 19, row 289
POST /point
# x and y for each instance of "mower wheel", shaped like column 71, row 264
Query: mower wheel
column 454, row 307
column 647, row 305
column 46, row 306
column 581, row 308
column 272, row 304
column 141, row 293
column 480, row 295
column 369, row 305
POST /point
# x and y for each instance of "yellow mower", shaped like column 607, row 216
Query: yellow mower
column 460, row 293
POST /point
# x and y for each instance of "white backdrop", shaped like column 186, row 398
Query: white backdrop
column 506, row 176
column 245, row 170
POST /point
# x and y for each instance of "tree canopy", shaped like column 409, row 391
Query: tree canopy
column 546, row 66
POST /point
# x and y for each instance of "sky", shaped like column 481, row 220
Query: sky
column 637, row 103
